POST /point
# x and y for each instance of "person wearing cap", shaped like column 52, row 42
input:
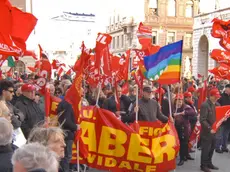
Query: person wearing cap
column 148, row 109
column 189, row 101
column 30, row 109
column 208, row 140
column 224, row 131
column 181, row 113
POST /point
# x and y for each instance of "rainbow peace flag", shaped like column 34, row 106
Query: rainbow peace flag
column 165, row 65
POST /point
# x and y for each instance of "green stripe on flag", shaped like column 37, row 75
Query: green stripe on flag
column 175, row 62
column 11, row 62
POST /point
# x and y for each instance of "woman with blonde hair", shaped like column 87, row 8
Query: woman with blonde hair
column 51, row 137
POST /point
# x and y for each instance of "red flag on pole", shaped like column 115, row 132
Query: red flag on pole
column 222, row 114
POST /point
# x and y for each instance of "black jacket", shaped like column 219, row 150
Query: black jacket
column 224, row 101
column 32, row 112
column 17, row 116
column 6, row 154
column 110, row 104
column 67, row 119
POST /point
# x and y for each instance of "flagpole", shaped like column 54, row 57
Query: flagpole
column 98, row 94
column 170, row 102
column 78, row 160
column 137, row 104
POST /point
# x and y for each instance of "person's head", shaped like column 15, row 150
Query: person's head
column 29, row 90
column 179, row 100
column 58, row 92
column 227, row 89
column 18, row 91
column 52, row 89
column 52, row 137
column 37, row 98
column 4, row 111
column 132, row 91
column 34, row 156
column 106, row 90
column 214, row 95
column 119, row 91
column 6, row 90
column 147, row 92
column 188, row 97
column 6, row 132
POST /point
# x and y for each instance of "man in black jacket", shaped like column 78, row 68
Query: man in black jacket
column 224, row 131
column 67, row 120
column 30, row 109
column 6, row 94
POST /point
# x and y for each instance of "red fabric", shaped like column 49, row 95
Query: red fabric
column 222, row 114
column 115, row 63
column 221, row 56
column 9, row 73
column 30, row 53
column 47, row 101
column 117, row 98
column 195, row 136
column 107, row 59
column 56, row 64
column 0, row 74
column 187, row 94
column 23, row 23
column 32, row 69
column 214, row 92
column 202, row 94
column 73, row 95
column 144, row 34
column 102, row 42
column 221, row 71
column 125, row 88
column 191, row 89
column 179, row 96
column 5, row 18
column 45, row 69
column 138, row 59
column 199, row 75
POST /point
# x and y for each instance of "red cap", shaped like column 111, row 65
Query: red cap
column 191, row 89
column 215, row 92
column 179, row 96
column 160, row 90
column 187, row 94
column 28, row 87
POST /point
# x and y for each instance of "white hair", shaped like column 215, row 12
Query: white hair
column 36, row 156
column 6, row 132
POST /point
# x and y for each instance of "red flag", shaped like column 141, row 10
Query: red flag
column 199, row 75
column 74, row 94
column 69, row 72
column 47, row 102
column 221, row 56
column 222, row 114
column 45, row 69
column 125, row 88
column 144, row 34
column 222, row 71
column 117, row 99
column 9, row 73
column 0, row 74
column 106, row 62
column 23, row 23
column 103, row 41
column 195, row 136
column 30, row 53
column 32, row 69
column 202, row 94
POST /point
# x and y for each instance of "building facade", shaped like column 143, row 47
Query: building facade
column 171, row 20
column 203, row 42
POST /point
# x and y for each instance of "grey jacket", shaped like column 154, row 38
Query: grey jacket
column 207, row 117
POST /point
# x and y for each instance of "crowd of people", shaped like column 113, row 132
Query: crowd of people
column 49, row 148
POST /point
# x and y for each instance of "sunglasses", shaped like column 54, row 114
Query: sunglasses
column 11, row 91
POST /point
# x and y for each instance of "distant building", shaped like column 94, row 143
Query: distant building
column 204, row 43
column 171, row 20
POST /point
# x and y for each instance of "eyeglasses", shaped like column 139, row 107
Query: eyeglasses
column 11, row 91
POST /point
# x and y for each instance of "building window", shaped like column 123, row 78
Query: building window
column 188, row 40
column 189, row 9
column 122, row 41
column 19, row 66
column 153, row 6
column 171, row 37
column 154, row 37
column 172, row 8
column 114, row 39
column 117, row 46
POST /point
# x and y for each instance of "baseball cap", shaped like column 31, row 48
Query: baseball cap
column 28, row 87
column 160, row 90
column 187, row 94
column 191, row 89
column 215, row 92
column 179, row 96
column 147, row 89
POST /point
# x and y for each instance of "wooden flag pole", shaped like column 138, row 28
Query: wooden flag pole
column 98, row 94
column 137, row 104
column 170, row 101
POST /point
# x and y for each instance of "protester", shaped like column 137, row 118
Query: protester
column 181, row 115
column 68, row 123
column 111, row 104
column 17, row 94
column 207, row 118
column 34, row 157
column 52, row 137
column 6, row 150
column 224, row 131
column 162, row 100
column 6, row 94
column 31, row 110
column 132, row 93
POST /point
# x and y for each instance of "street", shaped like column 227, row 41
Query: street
column 220, row 160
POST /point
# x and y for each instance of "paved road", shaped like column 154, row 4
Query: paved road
column 220, row 160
